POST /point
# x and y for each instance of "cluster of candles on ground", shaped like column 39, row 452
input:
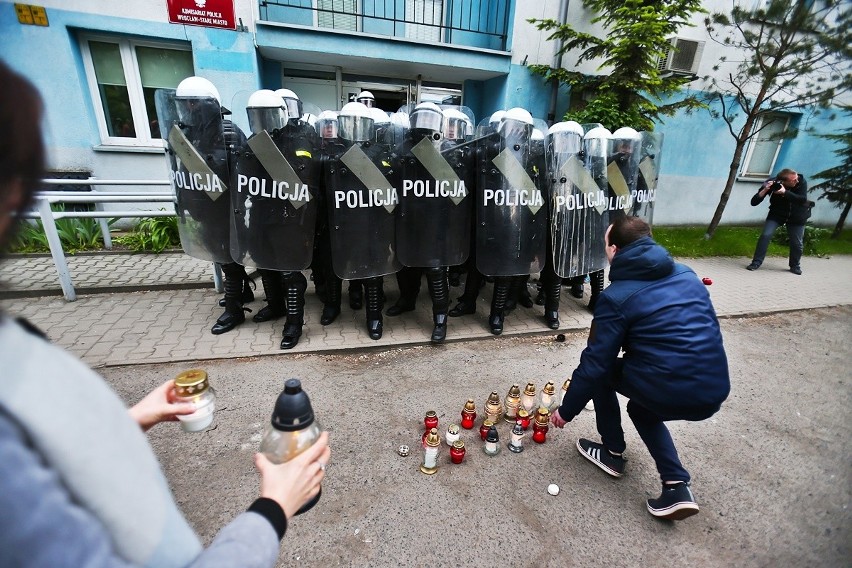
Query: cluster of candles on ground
column 523, row 409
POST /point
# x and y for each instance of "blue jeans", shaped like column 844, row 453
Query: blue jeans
column 797, row 239
column 650, row 426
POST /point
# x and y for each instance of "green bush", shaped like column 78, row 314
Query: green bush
column 74, row 234
column 152, row 234
column 814, row 237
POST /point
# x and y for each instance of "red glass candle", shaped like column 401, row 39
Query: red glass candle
column 431, row 420
column 539, row 434
column 468, row 415
column 483, row 430
column 457, row 451
column 524, row 419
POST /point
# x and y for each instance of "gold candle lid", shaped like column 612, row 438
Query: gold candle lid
column 191, row 383
column 566, row 383
column 541, row 416
column 431, row 414
column 522, row 413
column 470, row 406
column 529, row 390
column 432, row 439
column 514, row 392
column 458, row 444
column 488, row 423
column 549, row 388
column 453, row 429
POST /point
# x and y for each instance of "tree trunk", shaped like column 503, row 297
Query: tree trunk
column 729, row 184
column 840, row 222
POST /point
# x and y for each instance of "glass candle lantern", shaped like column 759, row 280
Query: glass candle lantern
column 468, row 415
column 483, row 430
column 540, row 426
column 548, row 397
column 493, row 407
column 528, row 399
column 564, row 390
column 430, row 420
column 524, row 418
column 457, row 452
column 292, row 429
column 193, row 386
column 430, row 452
column 492, row 442
column 516, row 443
column 512, row 403
column 452, row 434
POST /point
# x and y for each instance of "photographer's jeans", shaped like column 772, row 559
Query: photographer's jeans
column 797, row 236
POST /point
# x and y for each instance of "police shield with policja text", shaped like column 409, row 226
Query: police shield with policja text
column 649, row 173
column 191, row 124
column 511, row 214
column 577, row 199
column 433, row 218
column 362, row 199
column 276, row 184
column 623, row 170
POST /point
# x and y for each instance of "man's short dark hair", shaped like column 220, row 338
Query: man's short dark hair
column 627, row 229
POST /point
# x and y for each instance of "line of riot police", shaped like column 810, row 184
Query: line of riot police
column 358, row 195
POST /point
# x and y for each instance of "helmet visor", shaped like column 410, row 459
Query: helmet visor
column 355, row 128
column 264, row 118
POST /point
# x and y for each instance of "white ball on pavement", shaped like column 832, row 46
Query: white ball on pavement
column 553, row 489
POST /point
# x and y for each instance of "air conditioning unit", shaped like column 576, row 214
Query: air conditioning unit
column 681, row 57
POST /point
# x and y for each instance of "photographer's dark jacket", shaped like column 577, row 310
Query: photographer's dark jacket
column 660, row 313
column 793, row 207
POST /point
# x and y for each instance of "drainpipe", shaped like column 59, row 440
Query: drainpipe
column 557, row 63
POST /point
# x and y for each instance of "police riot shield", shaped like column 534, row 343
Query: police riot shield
column 435, row 201
column 511, row 216
column 275, row 199
column 578, row 203
column 198, row 172
column 649, row 173
column 623, row 168
column 361, row 200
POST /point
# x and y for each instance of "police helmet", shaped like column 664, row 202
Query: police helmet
column 355, row 123
column 266, row 111
column 366, row 98
column 291, row 99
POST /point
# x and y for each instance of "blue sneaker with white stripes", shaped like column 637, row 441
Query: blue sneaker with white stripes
column 598, row 455
column 675, row 503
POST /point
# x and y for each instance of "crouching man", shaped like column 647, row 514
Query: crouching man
column 673, row 367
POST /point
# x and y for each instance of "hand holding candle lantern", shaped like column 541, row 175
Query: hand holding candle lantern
column 193, row 386
column 292, row 429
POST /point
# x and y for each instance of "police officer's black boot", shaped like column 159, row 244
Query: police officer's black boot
column 331, row 308
column 576, row 284
column 498, row 304
column 552, row 291
column 439, row 291
column 373, row 297
column 356, row 295
column 523, row 291
column 273, row 286
column 296, row 284
column 247, row 295
column 467, row 301
column 234, row 314
column 408, row 280
column 596, row 281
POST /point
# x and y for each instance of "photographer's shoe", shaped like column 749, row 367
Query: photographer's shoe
column 600, row 456
column 674, row 503
column 796, row 270
column 753, row 266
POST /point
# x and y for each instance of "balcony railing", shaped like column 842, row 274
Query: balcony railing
column 473, row 23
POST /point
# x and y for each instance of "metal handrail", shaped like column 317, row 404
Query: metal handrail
column 43, row 211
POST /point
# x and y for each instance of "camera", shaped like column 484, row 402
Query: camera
column 776, row 185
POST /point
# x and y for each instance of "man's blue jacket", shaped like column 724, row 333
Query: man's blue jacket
column 660, row 314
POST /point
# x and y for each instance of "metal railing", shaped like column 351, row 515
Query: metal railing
column 42, row 210
column 475, row 23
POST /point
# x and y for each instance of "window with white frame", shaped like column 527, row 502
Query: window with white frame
column 123, row 75
column 764, row 147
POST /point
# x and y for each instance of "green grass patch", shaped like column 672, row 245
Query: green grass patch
column 740, row 241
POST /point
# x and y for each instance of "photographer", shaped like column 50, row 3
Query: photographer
column 788, row 205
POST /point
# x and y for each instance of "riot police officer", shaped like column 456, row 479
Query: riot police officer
column 361, row 201
column 191, row 121
column 366, row 98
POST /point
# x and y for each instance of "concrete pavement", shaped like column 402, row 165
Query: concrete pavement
column 137, row 309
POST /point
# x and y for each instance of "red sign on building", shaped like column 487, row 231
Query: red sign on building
column 208, row 13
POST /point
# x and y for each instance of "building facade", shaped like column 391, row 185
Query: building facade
column 98, row 64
